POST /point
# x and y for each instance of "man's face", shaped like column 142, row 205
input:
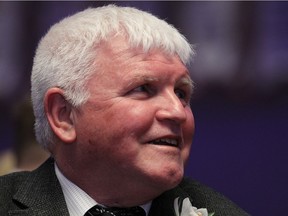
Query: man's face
column 137, row 125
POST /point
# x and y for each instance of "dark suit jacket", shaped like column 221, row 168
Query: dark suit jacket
column 39, row 193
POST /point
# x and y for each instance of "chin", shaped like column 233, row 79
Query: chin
column 176, row 178
column 170, row 178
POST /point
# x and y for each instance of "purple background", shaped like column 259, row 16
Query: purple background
column 240, row 104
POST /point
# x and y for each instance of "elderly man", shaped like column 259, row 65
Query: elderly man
column 111, row 96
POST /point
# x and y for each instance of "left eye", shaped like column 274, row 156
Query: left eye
column 181, row 94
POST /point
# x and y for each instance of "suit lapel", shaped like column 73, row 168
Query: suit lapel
column 164, row 204
column 40, row 194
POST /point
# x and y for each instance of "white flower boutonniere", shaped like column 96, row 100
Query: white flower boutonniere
column 185, row 208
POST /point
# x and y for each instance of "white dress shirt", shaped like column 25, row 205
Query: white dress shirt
column 78, row 201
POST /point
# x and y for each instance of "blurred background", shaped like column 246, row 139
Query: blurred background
column 240, row 104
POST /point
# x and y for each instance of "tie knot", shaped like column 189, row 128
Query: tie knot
column 113, row 211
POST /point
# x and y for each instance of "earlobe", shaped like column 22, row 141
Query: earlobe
column 59, row 114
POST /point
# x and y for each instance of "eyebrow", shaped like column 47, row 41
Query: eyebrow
column 141, row 78
column 186, row 81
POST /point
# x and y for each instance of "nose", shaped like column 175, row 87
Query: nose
column 171, row 108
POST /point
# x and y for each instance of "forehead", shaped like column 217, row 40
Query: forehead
column 117, row 53
column 120, row 68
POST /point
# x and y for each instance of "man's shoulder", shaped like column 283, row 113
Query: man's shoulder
column 10, row 182
column 196, row 188
column 13, row 177
column 9, row 185
column 37, row 192
column 203, row 196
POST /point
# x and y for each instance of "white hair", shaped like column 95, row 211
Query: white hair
column 66, row 55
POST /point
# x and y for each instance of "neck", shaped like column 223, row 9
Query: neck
column 108, row 191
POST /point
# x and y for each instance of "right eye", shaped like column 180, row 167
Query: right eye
column 141, row 92
column 142, row 88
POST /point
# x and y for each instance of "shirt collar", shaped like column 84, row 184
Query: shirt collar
column 78, row 201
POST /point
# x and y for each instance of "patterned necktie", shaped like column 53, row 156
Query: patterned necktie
column 101, row 211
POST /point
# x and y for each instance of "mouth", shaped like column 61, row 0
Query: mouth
column 166, row 142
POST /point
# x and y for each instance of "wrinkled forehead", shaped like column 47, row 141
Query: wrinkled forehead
column 117, row 58
column 118, row 49
column 121, row 65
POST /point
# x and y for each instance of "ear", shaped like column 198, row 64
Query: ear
column 59, row 114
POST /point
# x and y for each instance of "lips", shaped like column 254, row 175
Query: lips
column 166, row 141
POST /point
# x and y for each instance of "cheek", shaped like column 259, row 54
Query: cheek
column 188, row 133
column 189, row 126
column 134, row 120
column 116, row 131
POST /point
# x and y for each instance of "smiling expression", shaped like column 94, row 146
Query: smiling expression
column 137, row 126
